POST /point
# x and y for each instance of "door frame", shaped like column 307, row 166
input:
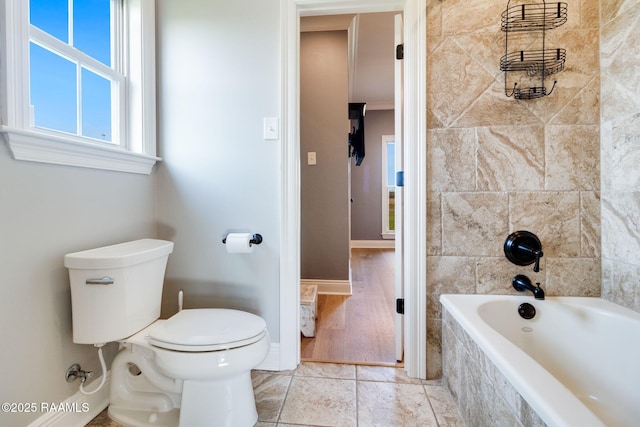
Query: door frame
column 415, row 161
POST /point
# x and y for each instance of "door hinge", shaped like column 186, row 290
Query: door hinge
column 400, row 51
column 400, row 305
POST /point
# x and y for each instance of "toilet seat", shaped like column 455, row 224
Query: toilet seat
column 208, row 329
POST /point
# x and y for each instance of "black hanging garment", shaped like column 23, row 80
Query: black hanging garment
column 356, row 137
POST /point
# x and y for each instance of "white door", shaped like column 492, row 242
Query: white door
column 399, row 262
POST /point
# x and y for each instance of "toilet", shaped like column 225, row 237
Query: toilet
column 193, row 369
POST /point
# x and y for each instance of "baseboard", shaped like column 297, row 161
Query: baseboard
column 272, row 362
column 373, row 244
column 330, row 287
column 77, row 410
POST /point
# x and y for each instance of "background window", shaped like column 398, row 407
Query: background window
column 388, row 186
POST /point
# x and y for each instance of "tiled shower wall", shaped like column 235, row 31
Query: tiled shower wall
column 620, row 151
column 497, row 165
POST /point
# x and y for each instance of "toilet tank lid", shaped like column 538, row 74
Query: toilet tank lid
column 120, row 255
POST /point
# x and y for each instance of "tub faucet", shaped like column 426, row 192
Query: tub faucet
column 522, row 283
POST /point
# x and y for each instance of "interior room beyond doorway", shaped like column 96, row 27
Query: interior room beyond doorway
column 358, row 328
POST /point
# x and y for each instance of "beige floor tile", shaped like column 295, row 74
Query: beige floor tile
column 391, row 404
column 384, row 374
column 320, row 402
column 326, row 370
column 103, row 420
column 327, row 394
column 444, row 406
column 270, row 390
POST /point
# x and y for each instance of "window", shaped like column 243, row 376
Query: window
column 388, row 186
column 78, row 82
column 75, row 75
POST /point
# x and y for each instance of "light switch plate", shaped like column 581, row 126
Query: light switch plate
column 270, row 128
column 311, row 158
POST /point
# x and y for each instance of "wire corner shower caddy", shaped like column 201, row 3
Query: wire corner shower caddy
column 526, row 53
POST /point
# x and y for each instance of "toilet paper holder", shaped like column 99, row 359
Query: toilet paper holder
column 256, row 239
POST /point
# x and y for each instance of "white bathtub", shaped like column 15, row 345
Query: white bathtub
column 576, row 363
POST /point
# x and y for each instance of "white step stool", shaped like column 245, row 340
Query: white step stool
column 308, row 309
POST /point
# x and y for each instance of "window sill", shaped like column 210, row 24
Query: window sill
column 389, row 236
column 42, row 148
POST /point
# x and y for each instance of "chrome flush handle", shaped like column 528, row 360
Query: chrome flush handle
column 104, row 281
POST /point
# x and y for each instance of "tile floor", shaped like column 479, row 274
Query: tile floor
column 328, row 394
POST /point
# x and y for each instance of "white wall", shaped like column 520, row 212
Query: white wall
column 45, row 212
column 219, row 64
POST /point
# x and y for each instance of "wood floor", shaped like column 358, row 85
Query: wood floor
column 358, row 328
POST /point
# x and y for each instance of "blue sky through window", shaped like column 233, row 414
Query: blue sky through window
column 96, row 106
column 54, row 79
column 51, row 16
column 391, row 162
column 92, row 28
column 53, row 90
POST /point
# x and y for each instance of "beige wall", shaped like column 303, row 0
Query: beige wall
column 366, row 179
column 324, row 128
column 497, row 165
column 620, row 151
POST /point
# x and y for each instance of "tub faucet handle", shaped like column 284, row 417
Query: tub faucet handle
column 524, row 248
column 536, row 263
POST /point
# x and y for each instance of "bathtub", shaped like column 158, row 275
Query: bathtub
column 576, row 363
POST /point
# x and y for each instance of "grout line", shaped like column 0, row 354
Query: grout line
column 356, row 402
column 284, row 399
column 433, row 410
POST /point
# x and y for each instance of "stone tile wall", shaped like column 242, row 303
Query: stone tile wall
column 497, row 165
column 620, row 151
column 484, row 396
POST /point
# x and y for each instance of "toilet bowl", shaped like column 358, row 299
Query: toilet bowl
column 209, row 367
column 193, row 369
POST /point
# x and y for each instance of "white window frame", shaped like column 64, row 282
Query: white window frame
column 386, row 233
column 136, row 152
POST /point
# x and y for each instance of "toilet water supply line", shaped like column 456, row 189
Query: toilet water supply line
column 103, row 365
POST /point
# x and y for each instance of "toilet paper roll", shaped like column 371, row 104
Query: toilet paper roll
column 239, row 243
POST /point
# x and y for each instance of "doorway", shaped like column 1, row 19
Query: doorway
column 347, row 65
column 414, row 217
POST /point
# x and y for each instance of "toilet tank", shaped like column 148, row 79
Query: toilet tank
column 116, row 290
